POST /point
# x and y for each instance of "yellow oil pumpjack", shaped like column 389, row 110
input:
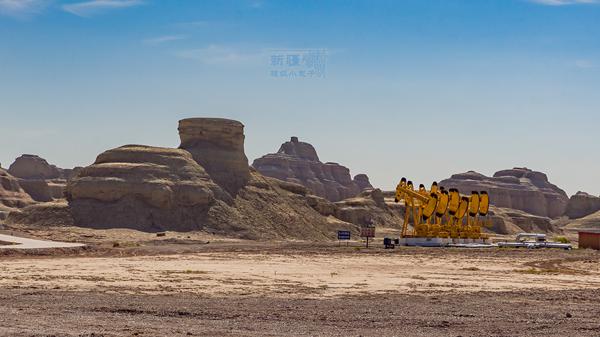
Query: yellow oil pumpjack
column 441, row 213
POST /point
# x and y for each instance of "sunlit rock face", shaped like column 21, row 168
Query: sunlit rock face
column 519, row 188
column 217, row 145
column 142, row 187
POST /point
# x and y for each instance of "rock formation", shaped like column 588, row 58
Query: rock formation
column 218, row 146
column 33, row 167
column 368, row 207
column 511, row 221
column 157, row 189
column 591, row 221
column 12, row 195
column 142, row 187
column 42, row 181
column 362, row 181
column 582, row 204
column 299, row 163
column 519, row 188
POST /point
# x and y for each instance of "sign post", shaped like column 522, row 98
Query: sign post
column 367, row 232
column 343, row 236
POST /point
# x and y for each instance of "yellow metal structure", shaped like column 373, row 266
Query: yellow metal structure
column 438, row 213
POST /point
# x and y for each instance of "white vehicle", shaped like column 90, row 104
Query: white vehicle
column 533, row 241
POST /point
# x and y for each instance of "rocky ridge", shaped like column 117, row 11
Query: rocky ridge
column 298, row 162
column 206, row 185
column 519, row 188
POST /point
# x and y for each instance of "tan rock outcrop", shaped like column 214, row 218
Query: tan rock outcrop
column 509, row 221
column 45, row 214
column 218, row 146
column 143, row 187
column 12, row 196
column 299, row 163
column 369, row 207
column 591, row 221
column 581, row 205
column 519, row 188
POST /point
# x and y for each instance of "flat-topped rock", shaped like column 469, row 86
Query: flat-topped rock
column 298, row 162
column 519, row 188
column 217, row 144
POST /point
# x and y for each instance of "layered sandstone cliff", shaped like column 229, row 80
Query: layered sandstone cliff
column 142, row 187
column 581, row 205
column 518, row 188
column 298, row 162
column 218, row 146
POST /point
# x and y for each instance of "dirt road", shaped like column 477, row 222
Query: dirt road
column 15, row 242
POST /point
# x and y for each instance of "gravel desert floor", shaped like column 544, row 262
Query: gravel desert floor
column 172, row 288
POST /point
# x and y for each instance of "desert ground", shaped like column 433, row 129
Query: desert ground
column 128, row 283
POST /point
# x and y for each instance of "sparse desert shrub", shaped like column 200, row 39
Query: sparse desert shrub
column 562, row 239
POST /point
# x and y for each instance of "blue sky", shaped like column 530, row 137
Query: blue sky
column 413, row 88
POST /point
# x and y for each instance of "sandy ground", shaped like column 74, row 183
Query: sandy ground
column 190, row 285
column 306, row 272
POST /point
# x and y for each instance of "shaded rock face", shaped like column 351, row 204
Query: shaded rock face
column 518, row 188
column 33, row 167
column 299, row 163
column 218, row 146
column 42, row 181
column 39, row 190
column 362, row 181
column 582, row 204
column 142, row 187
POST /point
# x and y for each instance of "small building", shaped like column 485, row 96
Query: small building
column 589, row 238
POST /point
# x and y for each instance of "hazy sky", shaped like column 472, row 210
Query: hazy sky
column 421, row 89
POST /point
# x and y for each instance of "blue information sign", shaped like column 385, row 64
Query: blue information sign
column 344, row 235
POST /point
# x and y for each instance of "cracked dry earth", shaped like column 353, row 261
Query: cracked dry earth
column 254, row 289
